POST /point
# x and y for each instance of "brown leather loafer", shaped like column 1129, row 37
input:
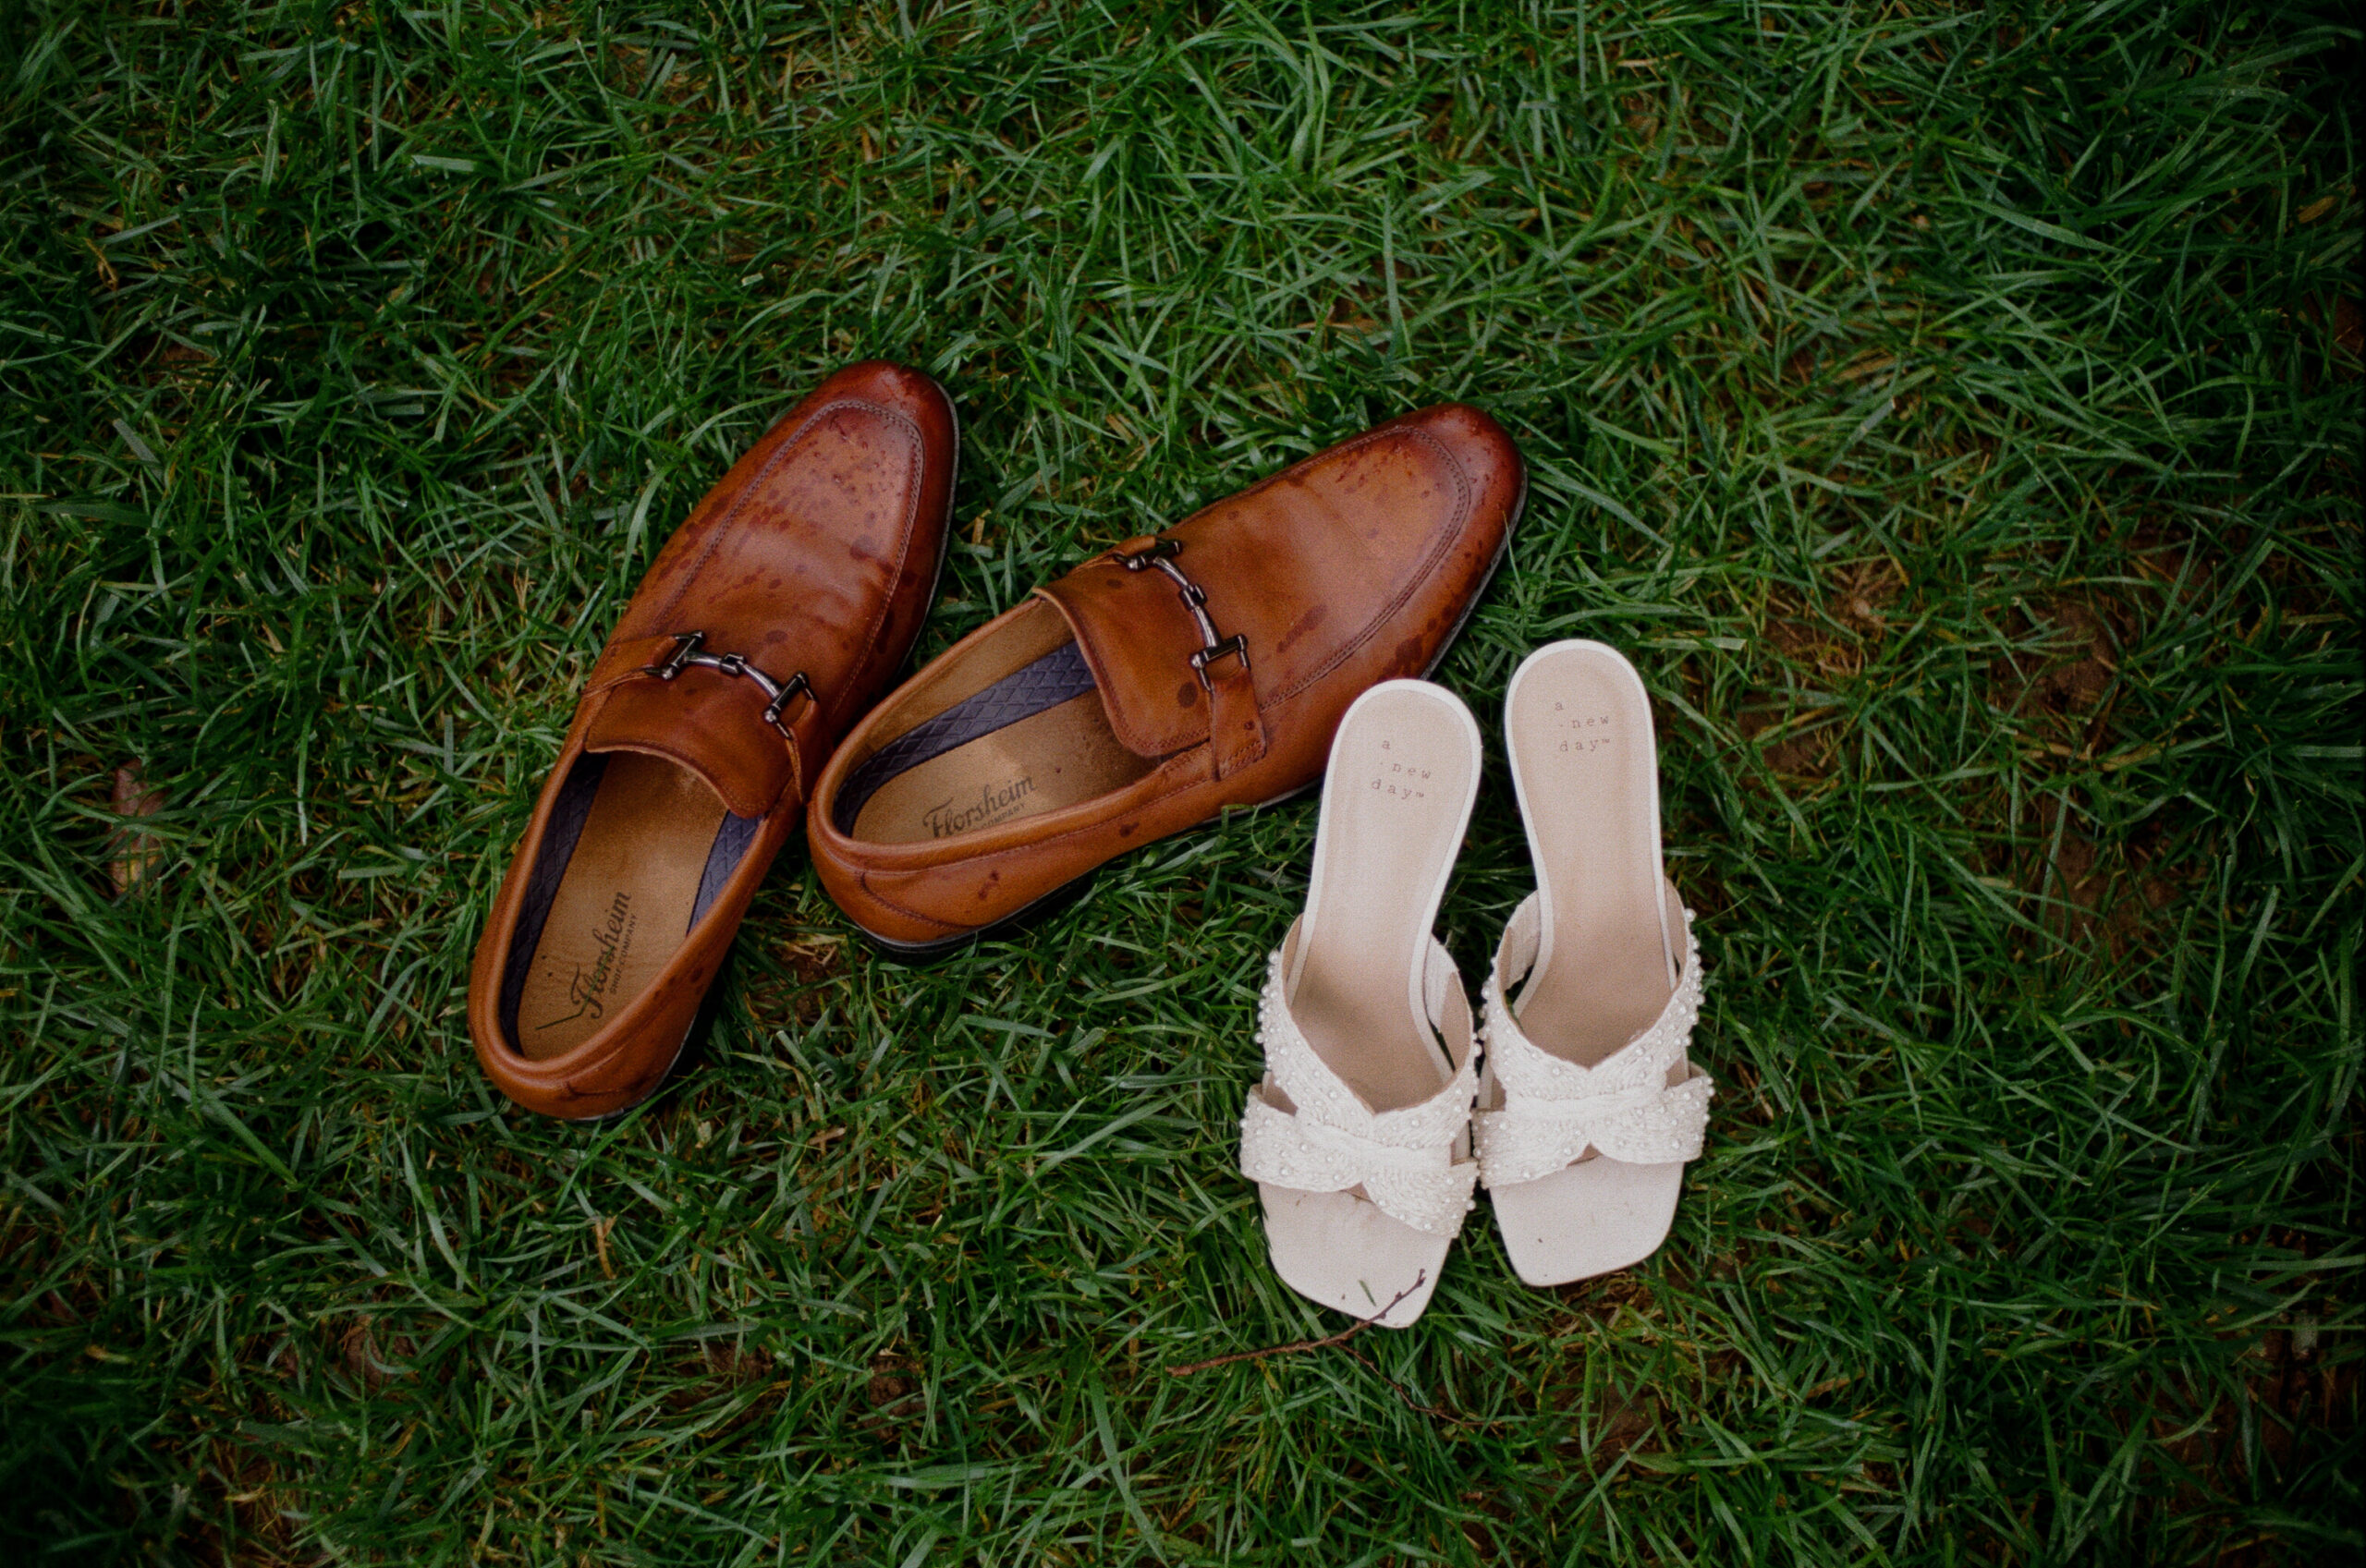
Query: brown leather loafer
column 770, row 620
column 1202, row 667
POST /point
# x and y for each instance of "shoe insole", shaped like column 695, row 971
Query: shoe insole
column 1396, row 798
column 1579, row 727
column 1034, row 741
column 648, row 852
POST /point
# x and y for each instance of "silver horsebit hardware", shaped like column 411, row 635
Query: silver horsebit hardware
column 686, row 654
column 1161, row 553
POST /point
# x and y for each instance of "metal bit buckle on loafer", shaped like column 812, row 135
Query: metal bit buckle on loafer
column 687, row 655
column 1161, row 553
column 1235, row 732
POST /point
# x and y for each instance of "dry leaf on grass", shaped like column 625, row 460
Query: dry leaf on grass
column 133, row 857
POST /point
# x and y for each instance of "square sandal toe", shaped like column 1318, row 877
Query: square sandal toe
column 1339, row 1251
column 1628, row 1209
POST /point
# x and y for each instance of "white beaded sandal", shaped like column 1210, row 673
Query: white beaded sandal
column 1358, row 1137
column 1589, row 1107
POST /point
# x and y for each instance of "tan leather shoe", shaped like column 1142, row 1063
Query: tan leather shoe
column 771, row 621
column 1203, row 667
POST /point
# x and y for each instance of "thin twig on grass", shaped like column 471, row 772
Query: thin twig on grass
column 1342, row 1337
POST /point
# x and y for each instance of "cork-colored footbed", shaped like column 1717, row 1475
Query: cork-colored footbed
column 1012, row 730
column 1058, row 757
column 624, row 905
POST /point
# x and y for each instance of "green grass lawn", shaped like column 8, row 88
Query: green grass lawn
column 1953, row 412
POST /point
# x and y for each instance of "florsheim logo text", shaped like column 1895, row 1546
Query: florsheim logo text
column 612, row 937
column 992, row 804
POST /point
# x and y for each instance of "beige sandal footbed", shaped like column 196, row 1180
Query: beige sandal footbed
column 1578, row 727
column 1371, row 993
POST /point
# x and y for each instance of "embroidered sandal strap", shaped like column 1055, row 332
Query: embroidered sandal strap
column 1405, row 1160
column 1554, row 1110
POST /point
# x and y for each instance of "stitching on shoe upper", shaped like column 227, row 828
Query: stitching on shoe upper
column 904, row 549
column 863, row 880
column 1445, row 536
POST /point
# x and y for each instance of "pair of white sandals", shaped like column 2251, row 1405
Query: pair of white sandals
column 1374, row 1120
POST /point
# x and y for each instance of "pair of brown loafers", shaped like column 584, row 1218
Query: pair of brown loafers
column 1153, row 686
